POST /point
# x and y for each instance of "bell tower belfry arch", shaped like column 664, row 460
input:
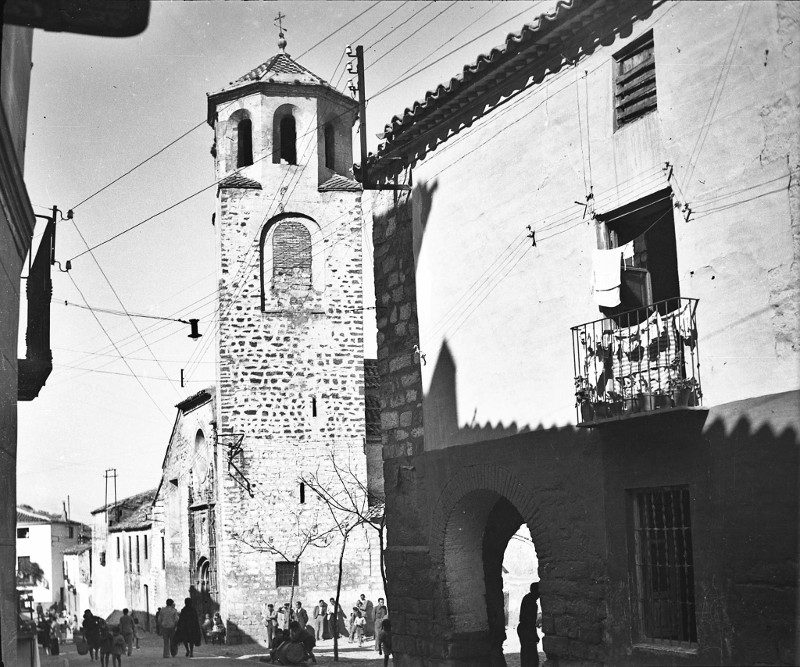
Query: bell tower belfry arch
column 290, row 372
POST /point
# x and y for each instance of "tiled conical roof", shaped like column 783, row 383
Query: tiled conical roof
column 279, row 68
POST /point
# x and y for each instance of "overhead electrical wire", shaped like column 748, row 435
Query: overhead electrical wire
column 211, row 185
column 413, row 34
column 355, row 40
column 215, row 183
column 119, row 299
column 203, row 122
column 450, row 39
column 125, row 361
column 716, row 95
column 339, row 29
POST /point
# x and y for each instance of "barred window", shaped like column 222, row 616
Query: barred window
column 284, row 571
column 635, row 80
column 664, row 566
column 291, row 256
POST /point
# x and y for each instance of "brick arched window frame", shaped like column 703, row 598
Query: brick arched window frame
column 284, row 135
column 292, row 259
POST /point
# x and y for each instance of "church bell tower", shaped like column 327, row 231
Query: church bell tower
column 290, row 352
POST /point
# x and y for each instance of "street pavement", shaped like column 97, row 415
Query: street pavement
column 350, row 655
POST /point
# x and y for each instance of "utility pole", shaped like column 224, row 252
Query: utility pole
column 110, row 473
column 366, row 184
column 362, row 113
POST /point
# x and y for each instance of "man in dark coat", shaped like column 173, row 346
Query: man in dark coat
column 528, row 636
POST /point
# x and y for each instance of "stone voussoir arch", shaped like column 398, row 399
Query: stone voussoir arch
column 484, row 477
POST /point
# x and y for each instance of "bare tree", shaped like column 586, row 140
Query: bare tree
column 308, row 531
column 350, row 505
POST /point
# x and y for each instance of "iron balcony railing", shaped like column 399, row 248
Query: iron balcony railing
column 638, row 361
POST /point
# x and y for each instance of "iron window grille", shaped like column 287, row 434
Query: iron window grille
column 635, row 81
column 285, row 572
column 664, row 566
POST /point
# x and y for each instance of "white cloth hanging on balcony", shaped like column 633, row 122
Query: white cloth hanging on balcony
column 606, row 276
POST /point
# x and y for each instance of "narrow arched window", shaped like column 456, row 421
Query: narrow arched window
column 291, row 256
column 330, row 146
column 288, row 134
column 244, row 152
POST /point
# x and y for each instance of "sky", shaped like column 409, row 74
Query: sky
column 98, row 108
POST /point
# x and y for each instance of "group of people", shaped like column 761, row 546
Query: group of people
column 104, row 640
column 214, row 629
column 329, row 620
column 288, row 630
column 52, row 629
column 179, row 628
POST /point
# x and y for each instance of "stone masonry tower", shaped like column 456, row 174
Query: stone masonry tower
column 290, row 341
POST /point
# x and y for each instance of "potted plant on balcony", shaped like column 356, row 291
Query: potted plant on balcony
column 646, row 398
column 615, row 404
column 584, row 393
column 684, row 391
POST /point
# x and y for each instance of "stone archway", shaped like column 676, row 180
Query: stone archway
column 477, row 513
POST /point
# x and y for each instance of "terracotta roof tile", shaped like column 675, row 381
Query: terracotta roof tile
column 26, row 514
column 339, row 183
column 129, row 504
column 278, row 64
column 239, row 181
column 433, row 99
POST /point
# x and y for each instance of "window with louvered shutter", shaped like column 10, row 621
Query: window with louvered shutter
column 635, row 81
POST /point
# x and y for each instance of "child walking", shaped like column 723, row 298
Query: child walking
column 359, row 624
column 385, row 640
column 106, row 645
column 118, row 647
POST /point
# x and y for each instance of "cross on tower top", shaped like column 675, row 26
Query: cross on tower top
column 279, row 23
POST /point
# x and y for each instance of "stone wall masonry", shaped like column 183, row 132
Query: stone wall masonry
column 192, row 467
column 291, row 380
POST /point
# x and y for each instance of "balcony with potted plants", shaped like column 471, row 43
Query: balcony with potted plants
column 637, row 363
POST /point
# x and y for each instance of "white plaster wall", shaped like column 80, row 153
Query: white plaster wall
column 38, row 547
column 505, row 312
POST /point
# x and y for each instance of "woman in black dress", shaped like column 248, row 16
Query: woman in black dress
column 189, row 631
column 91, row 633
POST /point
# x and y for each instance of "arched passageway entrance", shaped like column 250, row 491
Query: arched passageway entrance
column 477, row 534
